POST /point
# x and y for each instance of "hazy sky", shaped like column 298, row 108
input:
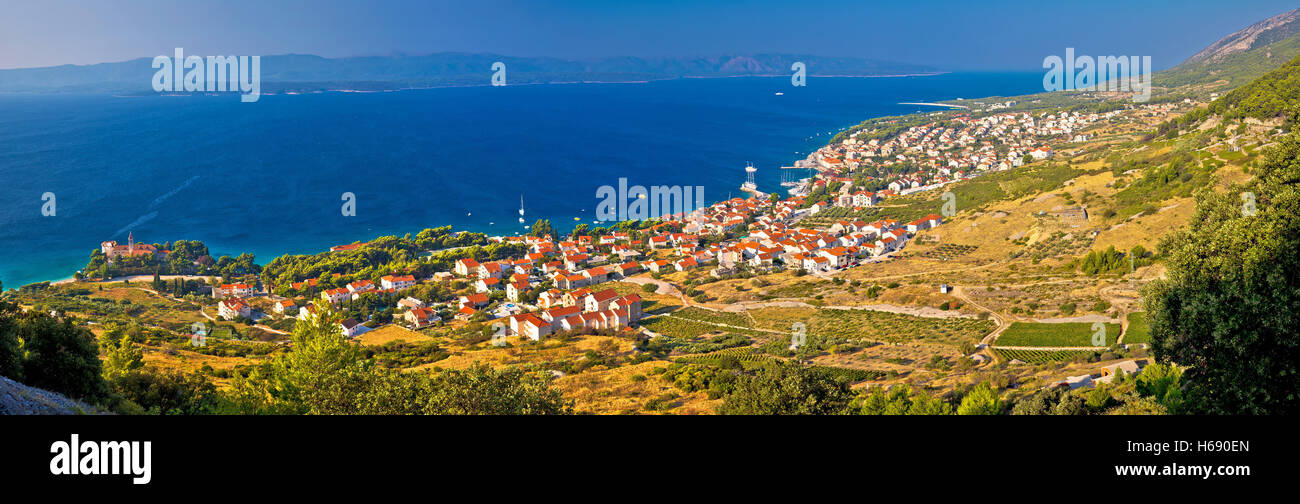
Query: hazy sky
column 960, row 34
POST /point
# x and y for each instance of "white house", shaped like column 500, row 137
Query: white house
column 410, row 303
column 232, row 290
column 599, row 301
column 360, row 286
column 422, row 317
column 232, row 308
column 335, row 296
column 516, row 290
column 284, row 306
column 351, row 327
column 487, row 284
column 466, row 266
column 532, row 327
column 399, row 282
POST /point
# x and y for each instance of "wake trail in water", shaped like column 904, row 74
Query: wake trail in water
column 173, row 192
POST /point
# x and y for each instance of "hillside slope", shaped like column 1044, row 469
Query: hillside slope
column 1273, row 97
column 19, row 399
column 1268, row 31
column 1240, row 57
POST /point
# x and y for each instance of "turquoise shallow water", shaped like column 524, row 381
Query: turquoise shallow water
column 267, row 177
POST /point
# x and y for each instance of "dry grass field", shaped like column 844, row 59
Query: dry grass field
column 391, row 333
column 616, row 391
column 180, row 359
column 521, row 352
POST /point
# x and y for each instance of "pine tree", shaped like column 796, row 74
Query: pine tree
column 121, row 357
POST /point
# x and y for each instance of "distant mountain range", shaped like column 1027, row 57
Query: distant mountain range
column 296, row 72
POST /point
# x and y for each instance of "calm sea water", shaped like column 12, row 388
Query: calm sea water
column 267, row 177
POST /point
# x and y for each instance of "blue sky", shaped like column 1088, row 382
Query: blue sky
column 958, row 35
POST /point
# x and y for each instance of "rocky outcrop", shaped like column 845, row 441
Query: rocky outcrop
column 1265, row 32
column 19, row 399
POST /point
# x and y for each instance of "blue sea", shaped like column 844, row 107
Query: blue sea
column 268, row 177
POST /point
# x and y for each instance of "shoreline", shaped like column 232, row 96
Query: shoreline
column 930, row 104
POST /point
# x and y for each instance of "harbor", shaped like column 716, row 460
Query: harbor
column 750, row 186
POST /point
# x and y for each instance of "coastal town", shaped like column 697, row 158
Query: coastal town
column 573, row 271
column 954, row 147
column 856, row 253
column 559, row 285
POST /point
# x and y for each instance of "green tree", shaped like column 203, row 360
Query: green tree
column 10, row 350
column 326, row 374
column 61, row 357
column 1162, row 382
column 542, row 228
column 120, row 356
column 161, row 392
column 783, row 388
column 981, row 400
column 1098, row 398
column 900, row 400
column 1227, row 308
column 319, row 375
column 481, row 390
column 1042, row 402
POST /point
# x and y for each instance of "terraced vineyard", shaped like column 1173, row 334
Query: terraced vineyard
column 705, row 344
column 1041, row 356
column 848, row 374
column 743, row 354
column 750, row 358
column 1068, row 334
column 679, row 327
column 948, row 251
column 879, row 326
column 1138, row 330
column 828, row 217
column 714, row 317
